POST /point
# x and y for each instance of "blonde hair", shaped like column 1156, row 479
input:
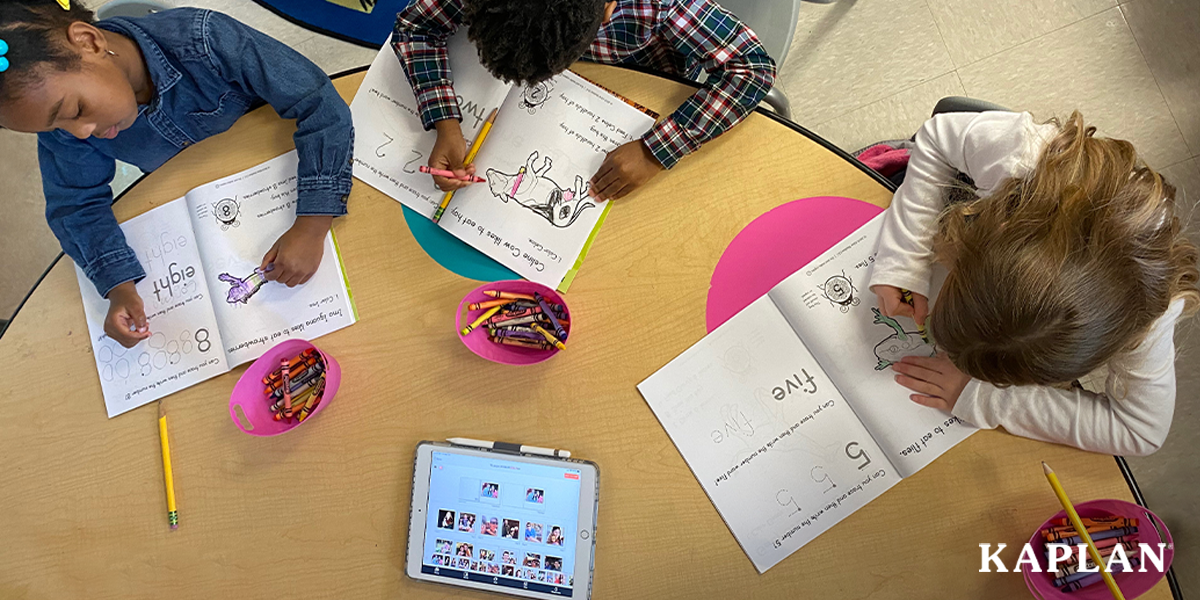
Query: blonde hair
column 1059, row 271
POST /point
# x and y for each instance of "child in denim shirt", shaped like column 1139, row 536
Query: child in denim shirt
column 140, row 90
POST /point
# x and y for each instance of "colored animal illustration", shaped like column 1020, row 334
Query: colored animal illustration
column 530, row 188
column 241, row 290
column 840, row 292
column 898, row 345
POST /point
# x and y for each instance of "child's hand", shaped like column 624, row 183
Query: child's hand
column 126, row 322
column 624, row 169
column 448, row 153
column 936, row 380
column 297, row 253
column 891, row 304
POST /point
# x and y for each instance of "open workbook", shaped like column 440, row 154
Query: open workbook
column 208, row 306
column 534, row 214
column 788, row 413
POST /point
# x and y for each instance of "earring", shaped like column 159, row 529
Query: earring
column 3, row 51
column 111, row 53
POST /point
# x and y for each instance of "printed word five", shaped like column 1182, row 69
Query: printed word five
column 791, row 385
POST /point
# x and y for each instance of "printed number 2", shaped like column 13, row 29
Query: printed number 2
column 857, row 454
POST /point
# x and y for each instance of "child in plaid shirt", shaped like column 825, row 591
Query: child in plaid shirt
column 528, row 41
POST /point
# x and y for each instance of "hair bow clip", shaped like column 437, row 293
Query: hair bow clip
column 65, row 4
column 3, row 51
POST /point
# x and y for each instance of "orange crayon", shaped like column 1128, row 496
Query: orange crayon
column 508, row 295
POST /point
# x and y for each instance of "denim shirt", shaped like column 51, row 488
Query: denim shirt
column 208, row 70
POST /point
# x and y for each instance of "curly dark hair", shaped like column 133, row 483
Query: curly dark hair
column 36, row 33
column 530, row 41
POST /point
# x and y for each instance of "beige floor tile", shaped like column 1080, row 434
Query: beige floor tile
column 977, row 29
column 335, row 56
column 895, row 117
column 26, row 243
column 849, row 54
column 1168, row 32
column 1094, row 66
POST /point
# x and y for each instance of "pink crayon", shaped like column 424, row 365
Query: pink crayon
column 451, row 175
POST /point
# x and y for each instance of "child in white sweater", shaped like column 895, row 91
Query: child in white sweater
column 1070, row 259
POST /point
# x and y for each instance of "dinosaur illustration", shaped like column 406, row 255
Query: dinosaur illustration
column 530, row 188
column 241, row 290
column 899, row 344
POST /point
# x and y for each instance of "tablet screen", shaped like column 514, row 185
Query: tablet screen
column 501, row 522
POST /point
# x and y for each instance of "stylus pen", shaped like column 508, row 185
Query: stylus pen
column 507, row 447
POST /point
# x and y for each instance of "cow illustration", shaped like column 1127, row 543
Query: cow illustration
column 530, row 188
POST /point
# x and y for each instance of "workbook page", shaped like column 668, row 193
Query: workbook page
column 534, row 215
column 774, row 445
column 237, row 219
column 828, row 304
column 185, row 344
column 390, row 143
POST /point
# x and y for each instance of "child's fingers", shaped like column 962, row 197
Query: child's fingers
column 606, row 185
column 268, row 260
column 931, row 402
column 925, row 362
column 447, row 184
column 920, row 308
column 922, row 372
column 889, row 299
column 624, row 191
column 916, row 385
column 594, row 185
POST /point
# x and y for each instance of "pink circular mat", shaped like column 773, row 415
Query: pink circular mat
column 777, row 244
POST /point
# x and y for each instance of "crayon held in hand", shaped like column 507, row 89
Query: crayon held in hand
column 907, row 298
column 451, row 175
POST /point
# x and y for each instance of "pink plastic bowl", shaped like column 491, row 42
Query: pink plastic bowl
column 1132, row 584
column 478, row 340
column 248, row 397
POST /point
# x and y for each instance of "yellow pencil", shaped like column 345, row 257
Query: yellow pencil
column 487, row 126
column 172, row 513
column 1079, row 528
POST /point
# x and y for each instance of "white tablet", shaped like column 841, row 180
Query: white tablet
column 504, row 522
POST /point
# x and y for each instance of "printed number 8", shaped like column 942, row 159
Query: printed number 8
column 859, row 453
column 202, row 343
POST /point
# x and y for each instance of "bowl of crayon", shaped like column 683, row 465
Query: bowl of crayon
column 288, row 385
column 1116, row 527
column 513, row 322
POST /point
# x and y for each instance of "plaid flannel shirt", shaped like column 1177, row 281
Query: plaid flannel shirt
column 684, row 37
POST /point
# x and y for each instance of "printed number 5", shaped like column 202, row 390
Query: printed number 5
column 857, row 454
column 824, row 477
column 789, row 501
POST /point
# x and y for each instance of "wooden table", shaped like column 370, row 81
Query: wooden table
column 81, row 500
